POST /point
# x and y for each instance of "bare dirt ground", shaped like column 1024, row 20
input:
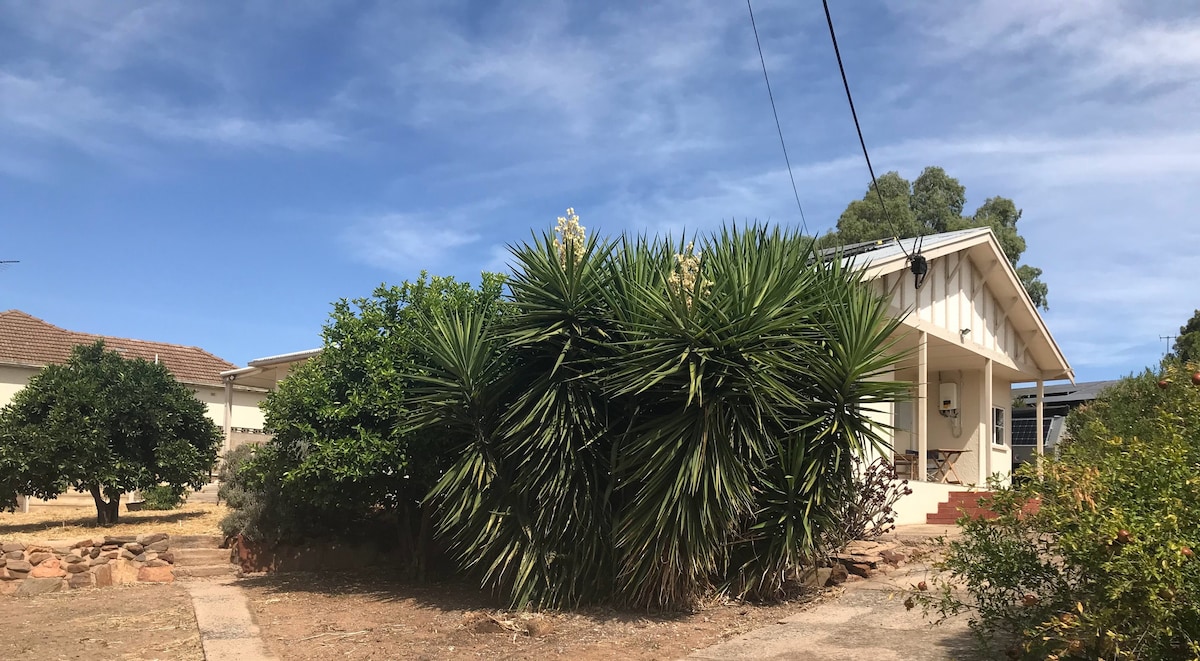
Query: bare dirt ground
column 139, row 621
column 59, row 522
column 310, row 617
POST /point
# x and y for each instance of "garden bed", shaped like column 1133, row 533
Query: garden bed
column 311, row 616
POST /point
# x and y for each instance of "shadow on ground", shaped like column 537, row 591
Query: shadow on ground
column 49, row 526
column 444, row 595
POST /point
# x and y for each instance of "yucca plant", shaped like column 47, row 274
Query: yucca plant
column 528, row 502
column 652, row 422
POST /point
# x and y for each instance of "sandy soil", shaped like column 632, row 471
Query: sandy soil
column 139, row 621
column 306, row 617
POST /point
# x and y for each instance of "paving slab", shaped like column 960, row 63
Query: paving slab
column 227, row 628
column 867, row 621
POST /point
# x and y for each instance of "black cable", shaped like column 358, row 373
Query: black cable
column 778, row 127
column 857, row 127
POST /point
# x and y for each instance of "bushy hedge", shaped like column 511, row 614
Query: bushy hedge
column 1106, row 566
column 339, row 462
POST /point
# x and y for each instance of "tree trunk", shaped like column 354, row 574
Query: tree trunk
column 107, row 511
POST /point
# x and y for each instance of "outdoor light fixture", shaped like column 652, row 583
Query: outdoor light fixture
column 919, row 268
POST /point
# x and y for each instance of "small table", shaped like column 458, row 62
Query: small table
column 944, row 465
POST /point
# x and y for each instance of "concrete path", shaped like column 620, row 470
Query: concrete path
column 867, row 621
column 227, row 629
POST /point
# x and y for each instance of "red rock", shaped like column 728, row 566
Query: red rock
column 839, row 574
column 859, row 569
column 155, row 575
column 103, row 574
column 38, row 557
column 84, row 580
column 51, row 568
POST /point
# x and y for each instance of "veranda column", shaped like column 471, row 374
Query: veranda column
column 985, row 423
column 921, row 406
column 1041, row 440
column 228, row 413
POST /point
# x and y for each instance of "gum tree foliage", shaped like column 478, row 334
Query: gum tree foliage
column 648, row 422
column 1187, row 345
column 106, row 425
column 338, row 457
column 1108, row 565
column 934, row 203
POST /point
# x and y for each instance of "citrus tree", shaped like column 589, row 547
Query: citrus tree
column 106, row 425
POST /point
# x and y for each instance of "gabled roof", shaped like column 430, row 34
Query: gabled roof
column 888, row 256
column 28, row 341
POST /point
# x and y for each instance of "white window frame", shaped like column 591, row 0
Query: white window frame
column 999, row 420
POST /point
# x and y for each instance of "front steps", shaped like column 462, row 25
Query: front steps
column 962, row 503
column 200, row 556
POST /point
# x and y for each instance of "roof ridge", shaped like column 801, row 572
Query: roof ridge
column 162, row 344
column 22, row 313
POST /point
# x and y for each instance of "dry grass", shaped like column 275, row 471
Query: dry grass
column 63, row 522
column 137, row 621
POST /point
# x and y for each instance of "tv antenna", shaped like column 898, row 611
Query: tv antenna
column 1168, row 339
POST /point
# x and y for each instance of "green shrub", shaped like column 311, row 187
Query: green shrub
column 163, row 497
column 1106, row 566
column 338, row 460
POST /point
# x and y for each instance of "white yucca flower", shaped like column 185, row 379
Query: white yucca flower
column 570, row 233
column 687, row 273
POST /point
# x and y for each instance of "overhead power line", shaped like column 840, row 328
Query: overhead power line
column 849, row 98
column 778, row 127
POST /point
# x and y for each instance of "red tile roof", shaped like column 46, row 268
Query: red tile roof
column 27, row 340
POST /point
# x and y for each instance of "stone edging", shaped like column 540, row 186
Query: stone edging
column 35, row 568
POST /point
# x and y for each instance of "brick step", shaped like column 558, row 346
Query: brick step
column 205, row 571
column 953, row 518
column 186, row 557
column 961, row 503
column 196, row 542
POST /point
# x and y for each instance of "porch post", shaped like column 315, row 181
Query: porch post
column 228, row 413
column 922, row 418
column 1041, row 440
column 985, row 423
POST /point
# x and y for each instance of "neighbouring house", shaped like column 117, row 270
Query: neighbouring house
column 969, row 331
column 27, row 344
column 260, row 375
column 1058, row 400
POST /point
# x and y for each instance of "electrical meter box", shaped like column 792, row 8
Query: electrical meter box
column 948, row 399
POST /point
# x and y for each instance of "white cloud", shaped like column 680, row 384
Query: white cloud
column 409, row 242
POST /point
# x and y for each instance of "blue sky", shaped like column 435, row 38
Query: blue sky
column 216, row 173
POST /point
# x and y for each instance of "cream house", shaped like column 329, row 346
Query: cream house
column 27, row 344
column 259, row 375
column 969, row 332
